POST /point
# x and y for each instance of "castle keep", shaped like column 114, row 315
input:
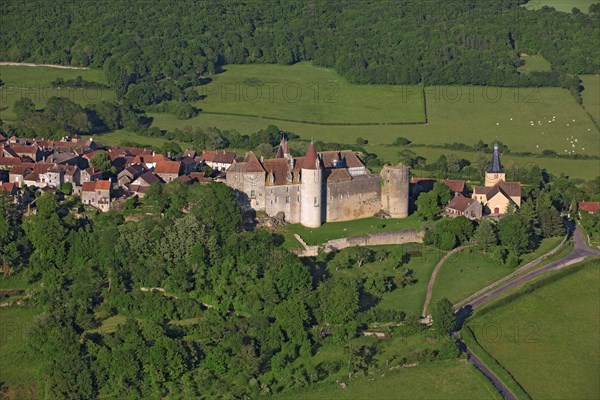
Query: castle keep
column 319, row 187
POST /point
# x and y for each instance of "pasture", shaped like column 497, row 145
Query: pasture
column 549, row 339
column 303, row 92
column 526, row 119
column 451, row 379
column 586, row 169
column 34, row 82
column 591, row 95
column 561, row 5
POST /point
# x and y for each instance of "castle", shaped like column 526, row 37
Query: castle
column 320, row 187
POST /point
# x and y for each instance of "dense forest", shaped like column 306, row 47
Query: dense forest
column 141, row 43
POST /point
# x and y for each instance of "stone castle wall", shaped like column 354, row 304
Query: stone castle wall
column 349, row 200
column 284, row 199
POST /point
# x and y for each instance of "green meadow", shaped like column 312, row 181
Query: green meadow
column 34, row 82
column 454, row 379
column 303, row 92
column 591, row 95
column 17, row 371
column 534, row 63
column 466, row 272
column 587, row 169
column 526, row 119
column 561, row 5
column 549, row 339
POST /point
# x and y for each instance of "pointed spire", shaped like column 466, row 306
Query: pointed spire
column 311, row 159
column 495, row 165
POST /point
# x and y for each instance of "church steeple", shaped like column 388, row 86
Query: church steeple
column 495, row 172
column 495, row 165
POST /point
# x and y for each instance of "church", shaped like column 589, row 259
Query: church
column 319, row 187
column 497, row 194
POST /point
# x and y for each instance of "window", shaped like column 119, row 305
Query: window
column 287, row 200
column 316, row 202
column 252, row 194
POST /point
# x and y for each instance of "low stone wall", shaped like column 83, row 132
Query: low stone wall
column 376, row 239
column 372, row 239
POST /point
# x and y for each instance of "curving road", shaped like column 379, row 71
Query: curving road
column 580, row 251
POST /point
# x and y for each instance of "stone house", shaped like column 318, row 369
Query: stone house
column 97, row 194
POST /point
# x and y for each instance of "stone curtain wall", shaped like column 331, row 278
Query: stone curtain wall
column 372, row 239
column 376, row 239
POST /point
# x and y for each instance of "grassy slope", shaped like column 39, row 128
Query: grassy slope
column 16, row 369
column 549, row 339
column 561, row 5
column 410, row 298
column 534, row 63
column 591, row 95
column 359, row 227
column 306, row 93
column 466, row 272
column 34, row 82
column 444, row 380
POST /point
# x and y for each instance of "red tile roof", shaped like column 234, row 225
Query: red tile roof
column 460, row 203
column 9, row 187
column 218, row 156
column 589, row 206
column 96, row 185
column 167, row 167
column 311, row 158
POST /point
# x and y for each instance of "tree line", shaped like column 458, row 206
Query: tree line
column 158, row 51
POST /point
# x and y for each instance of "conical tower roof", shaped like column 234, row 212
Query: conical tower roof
column 311, row 157
column 283, row 147
column 495, row 165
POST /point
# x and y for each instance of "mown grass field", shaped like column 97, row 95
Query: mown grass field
column 303, row 92
column 561, row 5
column 17, row 370
column 466, row 272
column 34, row 82
column 534, row 63
column 443, row 380
column 549, row 339
column 591, row 95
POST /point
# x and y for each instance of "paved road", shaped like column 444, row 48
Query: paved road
column 580, row 251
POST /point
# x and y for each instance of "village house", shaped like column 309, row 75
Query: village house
column 97, row 194
column 168, row 170
column 460, row 205
column 130, row 174
column 219, row 160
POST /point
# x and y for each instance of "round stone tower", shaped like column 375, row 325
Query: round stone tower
column 395, row 190
column 311, row 189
